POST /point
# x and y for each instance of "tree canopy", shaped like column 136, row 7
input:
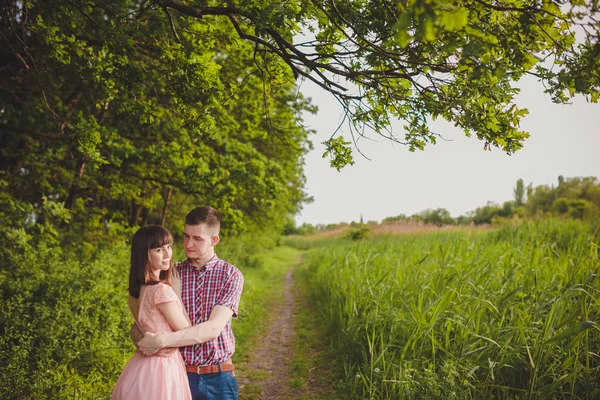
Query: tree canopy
column 124, row 111
column 418, row 59
column 109, row 117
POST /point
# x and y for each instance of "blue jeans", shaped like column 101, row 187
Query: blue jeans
column 219, row 386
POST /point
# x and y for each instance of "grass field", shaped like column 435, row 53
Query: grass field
column 497, row 314
column 508, row 313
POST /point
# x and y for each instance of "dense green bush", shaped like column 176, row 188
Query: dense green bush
column 64, row 324
column 358, row 233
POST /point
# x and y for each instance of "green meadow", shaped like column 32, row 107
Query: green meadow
column 501, row 314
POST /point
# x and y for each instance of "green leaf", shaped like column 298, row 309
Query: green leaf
column 339, row 152
column 429, row 30
column 454, row 20
column 570, row 332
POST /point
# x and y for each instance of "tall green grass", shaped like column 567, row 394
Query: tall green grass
column 505, row 314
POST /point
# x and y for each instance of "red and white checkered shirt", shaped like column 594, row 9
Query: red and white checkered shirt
column 217, row 283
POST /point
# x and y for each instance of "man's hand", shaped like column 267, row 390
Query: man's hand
column 135, row 335
column 176, row 282
column 149, row 344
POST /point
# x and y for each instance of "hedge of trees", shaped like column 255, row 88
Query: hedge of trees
column 571, row 197
column 577, row 197
column 109, row 122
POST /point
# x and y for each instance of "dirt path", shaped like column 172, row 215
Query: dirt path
column 266, row 374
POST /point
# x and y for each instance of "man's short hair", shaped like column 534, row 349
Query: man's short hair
column 204, row 215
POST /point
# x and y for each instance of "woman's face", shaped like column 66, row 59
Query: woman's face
column 160, row 258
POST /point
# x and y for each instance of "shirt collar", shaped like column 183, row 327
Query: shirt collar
column 210, row 264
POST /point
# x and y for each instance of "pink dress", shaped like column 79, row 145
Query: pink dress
column 162, row 376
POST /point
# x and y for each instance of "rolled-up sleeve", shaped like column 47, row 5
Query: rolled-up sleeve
column 231, row 292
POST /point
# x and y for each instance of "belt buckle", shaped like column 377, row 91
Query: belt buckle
column 198, row 369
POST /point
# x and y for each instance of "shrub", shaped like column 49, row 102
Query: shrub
column 64, row 324
column 358, row 233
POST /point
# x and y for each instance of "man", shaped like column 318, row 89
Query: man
column 210, row 290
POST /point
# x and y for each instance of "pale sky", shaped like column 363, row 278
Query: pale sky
column 457, row 175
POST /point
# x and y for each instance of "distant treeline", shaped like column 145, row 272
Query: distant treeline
column 572, row 197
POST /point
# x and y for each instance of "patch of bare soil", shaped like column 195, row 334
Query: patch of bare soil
column 266, row 374
column 414, row 227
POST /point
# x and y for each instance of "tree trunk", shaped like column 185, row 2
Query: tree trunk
column 75, row 184
column 135, row 213
column 144, row 215
column 163, row 218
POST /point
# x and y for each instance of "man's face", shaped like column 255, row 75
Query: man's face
column 199, row 241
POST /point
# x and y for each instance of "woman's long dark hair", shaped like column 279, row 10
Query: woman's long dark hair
column 146, row 238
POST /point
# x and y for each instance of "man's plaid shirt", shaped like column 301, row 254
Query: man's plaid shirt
column 217, row 283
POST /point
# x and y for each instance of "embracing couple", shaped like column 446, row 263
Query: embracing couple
column 182, row 354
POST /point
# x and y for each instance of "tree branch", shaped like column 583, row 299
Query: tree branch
column 32, row 132
column 200, row 12
column 172, row 24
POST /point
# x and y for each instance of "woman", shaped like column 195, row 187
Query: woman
column 155, row 308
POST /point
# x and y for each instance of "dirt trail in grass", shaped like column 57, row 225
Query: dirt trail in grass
column 266, row 374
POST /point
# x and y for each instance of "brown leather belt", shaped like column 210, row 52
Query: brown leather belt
column 210, row 369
